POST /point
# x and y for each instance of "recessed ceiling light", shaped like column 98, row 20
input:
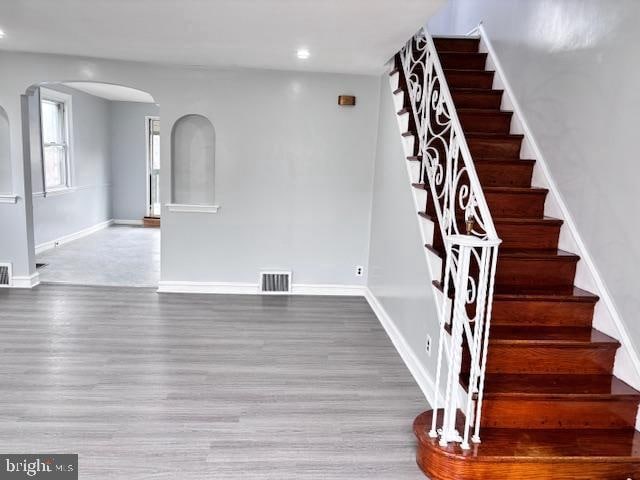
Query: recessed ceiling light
column 303, row 53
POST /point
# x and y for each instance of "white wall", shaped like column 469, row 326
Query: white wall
column 88, row 202
column 398, row 273
column 129, row 157
column 293, row 170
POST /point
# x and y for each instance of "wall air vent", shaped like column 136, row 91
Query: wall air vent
column 275, row 282
column 5, row 275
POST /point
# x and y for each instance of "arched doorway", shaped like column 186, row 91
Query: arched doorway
column 91, row 153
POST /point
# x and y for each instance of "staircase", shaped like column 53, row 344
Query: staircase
column 552, row 408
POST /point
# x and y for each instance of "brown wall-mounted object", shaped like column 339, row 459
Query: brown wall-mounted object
column 347, row 100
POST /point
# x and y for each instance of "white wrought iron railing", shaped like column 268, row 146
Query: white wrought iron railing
column 469, row 236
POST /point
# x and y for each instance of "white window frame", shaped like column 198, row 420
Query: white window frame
column 66, row 99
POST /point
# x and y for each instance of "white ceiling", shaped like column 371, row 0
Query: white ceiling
column 116, row 93
column 342, row 35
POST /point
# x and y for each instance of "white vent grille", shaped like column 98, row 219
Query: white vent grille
column 275, row 282
column 5, row 275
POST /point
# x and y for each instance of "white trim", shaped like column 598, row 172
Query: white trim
column 178, row 207
column 121, row 221
column 420, row 374
column 26, row 281
column 241, row 288
column 8, row 198
column 72, row 236
column 590, row 277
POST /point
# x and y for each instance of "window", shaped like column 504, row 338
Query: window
column 54, row 113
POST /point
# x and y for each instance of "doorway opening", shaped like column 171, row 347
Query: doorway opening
column 152, row 133
column 94, row 150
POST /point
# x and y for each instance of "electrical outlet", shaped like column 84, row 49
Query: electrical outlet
column 428, row 345
column 359, row 271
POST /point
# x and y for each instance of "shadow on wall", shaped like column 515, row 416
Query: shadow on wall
column 193, row 142
column 6, row 186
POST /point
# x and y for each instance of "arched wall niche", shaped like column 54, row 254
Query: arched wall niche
column 6, row 185
column 193, row 142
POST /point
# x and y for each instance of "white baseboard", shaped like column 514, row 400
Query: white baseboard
column 72, row 236
column 26, row 281
column 422, row 377
column 236, row 288
column 239, row 288
column 337, row 290
column 127, row 222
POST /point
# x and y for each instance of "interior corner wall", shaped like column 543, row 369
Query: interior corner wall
column 129, row 157
column 399, row 276
column 572, row 66
column 88, row 202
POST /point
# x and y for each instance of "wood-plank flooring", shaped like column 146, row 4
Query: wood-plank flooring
column 143, row 385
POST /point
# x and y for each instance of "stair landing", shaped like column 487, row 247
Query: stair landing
column 532, row 454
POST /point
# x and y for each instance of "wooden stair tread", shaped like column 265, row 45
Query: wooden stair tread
column 549, row 335
column 502, row 220
column 503, row 160
column 511, row 190
column 467, row 70
column 463, row 54
column 469, row 44
column 528, row 221
column 515, row 190
column 494, row 136
column 471, row 60
column 479, row 91
column 562, row 385
column 536, row 445
column 484, row 111
column 558, row 255
column 538, row 254
column 543, row 294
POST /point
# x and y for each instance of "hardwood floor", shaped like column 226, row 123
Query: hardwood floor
column 143, row 385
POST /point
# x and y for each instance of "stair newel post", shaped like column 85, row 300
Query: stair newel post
column 493, row 252
column 482, row 254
